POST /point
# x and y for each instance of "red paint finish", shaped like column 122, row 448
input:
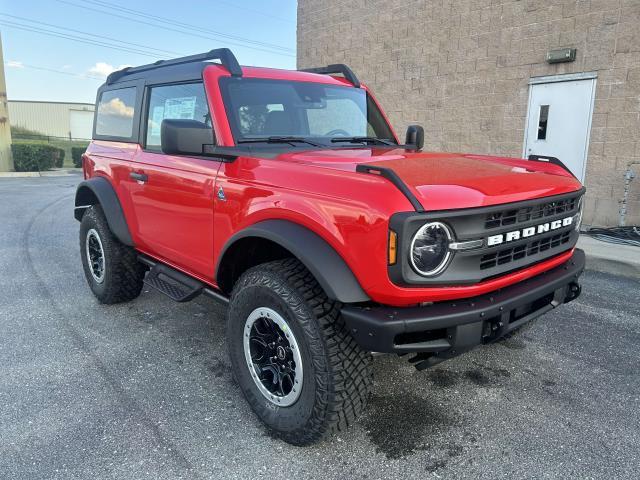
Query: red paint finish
column 351, row 210
column 174, row 209
column 177, row 217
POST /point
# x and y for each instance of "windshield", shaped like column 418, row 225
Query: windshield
column 261, row 108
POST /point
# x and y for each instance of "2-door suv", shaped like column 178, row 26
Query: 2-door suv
column 287, row 195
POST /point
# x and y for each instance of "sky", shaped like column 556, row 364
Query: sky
column 62, row 50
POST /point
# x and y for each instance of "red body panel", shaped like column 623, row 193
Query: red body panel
column 176, row 216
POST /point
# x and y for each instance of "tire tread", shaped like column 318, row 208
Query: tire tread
column 344, row 380
column 125, row 272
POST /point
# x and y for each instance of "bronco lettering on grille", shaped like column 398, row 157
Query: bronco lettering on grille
column 528, row 232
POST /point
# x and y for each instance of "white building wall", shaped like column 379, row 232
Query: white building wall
column 52, row 118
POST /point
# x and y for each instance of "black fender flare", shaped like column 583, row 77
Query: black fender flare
column 99, row 190
column 320, row 258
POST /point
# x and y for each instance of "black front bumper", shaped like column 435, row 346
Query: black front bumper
column 445, row 329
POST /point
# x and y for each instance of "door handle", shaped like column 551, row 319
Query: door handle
column 139, row 177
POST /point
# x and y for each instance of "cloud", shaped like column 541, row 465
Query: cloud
column 115, row 107
column 102, row 69
column 14, row 64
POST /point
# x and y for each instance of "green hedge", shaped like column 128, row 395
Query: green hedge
column 35, row 157
column 76, row 155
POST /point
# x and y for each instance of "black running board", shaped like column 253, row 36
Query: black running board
column 173, row 284
column 178, row 286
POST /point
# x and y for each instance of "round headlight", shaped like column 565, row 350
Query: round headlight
column 430, row 249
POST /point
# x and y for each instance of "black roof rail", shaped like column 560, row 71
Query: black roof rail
column 336, row 68
column 226, row 57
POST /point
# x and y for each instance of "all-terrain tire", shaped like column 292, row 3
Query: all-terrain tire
column 122, row 273
column 337, row 377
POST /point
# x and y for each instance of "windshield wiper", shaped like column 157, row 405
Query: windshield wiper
column 276, row 139
column 367, row 140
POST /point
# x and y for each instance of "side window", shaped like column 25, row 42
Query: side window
column 185, row 101
column 116, row 112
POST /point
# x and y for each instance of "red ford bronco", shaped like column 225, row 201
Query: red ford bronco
column 288, row 196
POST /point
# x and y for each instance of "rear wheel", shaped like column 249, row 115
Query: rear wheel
column 111, row 268
column 295, row 362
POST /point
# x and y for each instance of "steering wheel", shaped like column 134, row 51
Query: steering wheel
column 339, row 132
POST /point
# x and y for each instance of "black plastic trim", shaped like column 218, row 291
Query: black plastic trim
column 394, row 178
column 179, row 135
column 469, row 224
column 335, row 68
column 326, row 265
column 549, row 159
column 176, row 285
column 206, row 290
column 108, row 200
column 226, row 57
column 376, row 328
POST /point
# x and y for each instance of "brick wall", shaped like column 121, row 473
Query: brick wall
column 461, row 69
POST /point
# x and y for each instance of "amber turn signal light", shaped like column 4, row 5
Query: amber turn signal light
column 393, row 247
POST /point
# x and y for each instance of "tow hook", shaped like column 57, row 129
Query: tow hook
column 573, row 291
column 422, row 361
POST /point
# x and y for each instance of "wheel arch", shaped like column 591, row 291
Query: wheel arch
column 99, row 191
column 276, row 239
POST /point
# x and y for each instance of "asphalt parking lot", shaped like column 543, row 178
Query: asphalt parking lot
column 143, row 390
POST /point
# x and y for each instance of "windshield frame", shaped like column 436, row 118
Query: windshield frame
column 324, row 141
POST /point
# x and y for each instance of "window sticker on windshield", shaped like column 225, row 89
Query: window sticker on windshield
column 156, row 120
column 182, row 108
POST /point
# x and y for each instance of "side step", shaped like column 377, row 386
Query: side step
column 176, row 285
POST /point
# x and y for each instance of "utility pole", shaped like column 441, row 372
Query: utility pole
column 6, row 160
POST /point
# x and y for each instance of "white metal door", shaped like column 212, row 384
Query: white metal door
column 559, row 120
column 80, row 124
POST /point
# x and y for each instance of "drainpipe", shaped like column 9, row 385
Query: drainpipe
column 629, row 175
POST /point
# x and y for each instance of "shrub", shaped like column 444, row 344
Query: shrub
column 35, row 157
column 76, row 155
column 21, row 131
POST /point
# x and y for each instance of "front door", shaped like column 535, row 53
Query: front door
column 559, row 120
column 173, row 196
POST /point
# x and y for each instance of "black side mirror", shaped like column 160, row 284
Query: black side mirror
column 184, row 137
column 415, row 136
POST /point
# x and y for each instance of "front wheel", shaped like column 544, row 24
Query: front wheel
column 295, row 362
column 111, row 268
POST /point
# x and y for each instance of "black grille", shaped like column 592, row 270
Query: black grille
column 533, row 238
column 526, row 214
column 508, row 255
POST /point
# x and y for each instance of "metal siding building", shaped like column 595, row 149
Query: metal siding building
column 478, row 76
column 55, row 119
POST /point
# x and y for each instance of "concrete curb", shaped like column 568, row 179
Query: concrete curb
column 19, row 174
column 613, row 267
column 611, row 258
column 56, row 172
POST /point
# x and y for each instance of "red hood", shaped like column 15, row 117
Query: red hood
column 444, row 181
